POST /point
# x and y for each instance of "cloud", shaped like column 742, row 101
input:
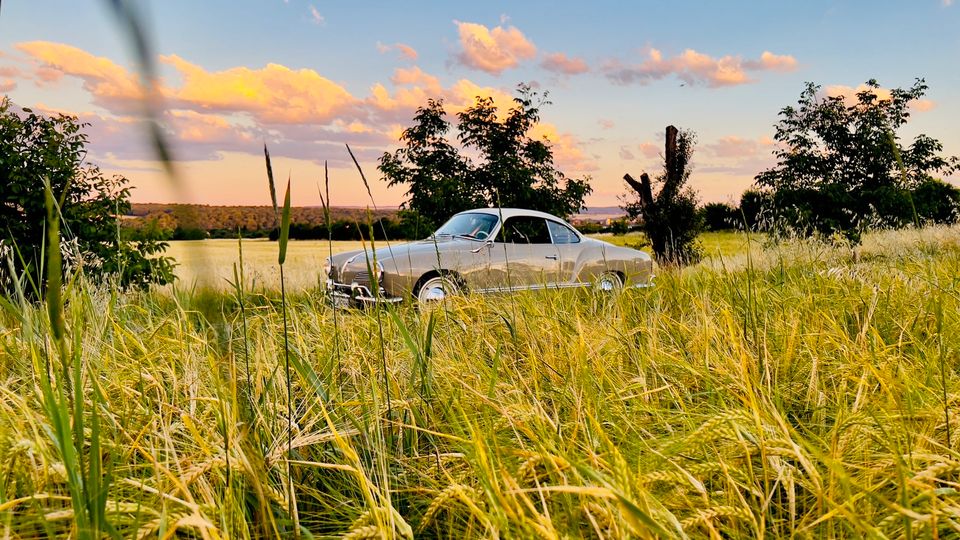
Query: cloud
column 649, row 149
column 567, row 150
column 405, row 51
column 9, row 71
column 606, row 123
column 111, row 85
column 8, row 85
column 274, row 94
column 733, row 146
column 694, row 67
column 297, row 111
column 315, row 16
column 626, row 154
column 849, row 95
column 493, row 50
column 561, row 63
column 772, row 62
column 946, row 3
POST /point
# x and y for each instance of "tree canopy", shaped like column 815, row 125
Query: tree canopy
column 36, row 149
column 509, row 166
column 841, row 164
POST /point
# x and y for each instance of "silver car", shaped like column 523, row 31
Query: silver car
column 486, row 250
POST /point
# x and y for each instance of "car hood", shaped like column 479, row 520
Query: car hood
column 401, row 252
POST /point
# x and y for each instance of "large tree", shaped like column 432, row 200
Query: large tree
column 35, row 150
column 669, row 217
column 841, row 164
column 510, row 168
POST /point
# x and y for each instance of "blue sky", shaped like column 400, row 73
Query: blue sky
column 346, row 72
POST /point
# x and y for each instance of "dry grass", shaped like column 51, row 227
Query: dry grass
column 804, row 390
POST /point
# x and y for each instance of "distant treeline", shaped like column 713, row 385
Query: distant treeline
column 196, row 222
column 932, row 201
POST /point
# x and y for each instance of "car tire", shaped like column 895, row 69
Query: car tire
column 436, row 289
column 608, row 282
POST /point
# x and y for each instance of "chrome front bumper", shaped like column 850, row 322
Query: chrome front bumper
column 355, row 294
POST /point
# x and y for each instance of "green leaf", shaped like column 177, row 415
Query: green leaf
column 54, row 266
column 285, row 225
column 272, row 184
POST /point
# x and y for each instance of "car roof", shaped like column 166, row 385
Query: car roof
column 512, row 212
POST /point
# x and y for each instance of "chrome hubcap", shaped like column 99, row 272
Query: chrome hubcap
column 434, row 291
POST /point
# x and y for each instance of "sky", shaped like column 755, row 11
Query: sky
column 307, row 76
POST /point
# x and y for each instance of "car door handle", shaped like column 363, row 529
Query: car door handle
column 552, row 257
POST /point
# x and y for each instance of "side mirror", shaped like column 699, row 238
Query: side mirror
column 486, row 244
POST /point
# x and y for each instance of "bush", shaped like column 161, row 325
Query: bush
column 37, row 149
column 719, row 216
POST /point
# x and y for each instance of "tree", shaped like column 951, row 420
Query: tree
column 670, row 220
column 35, row 149
column 841, row 166
column 720, row 216
column 511, row 167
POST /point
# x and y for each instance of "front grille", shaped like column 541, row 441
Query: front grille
column 362, row 278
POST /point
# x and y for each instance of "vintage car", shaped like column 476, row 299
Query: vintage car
column 485, row 250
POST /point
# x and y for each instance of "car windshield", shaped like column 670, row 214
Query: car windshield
column 469, row 225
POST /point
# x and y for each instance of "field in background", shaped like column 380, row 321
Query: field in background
column 795, row 390
column 209, row 263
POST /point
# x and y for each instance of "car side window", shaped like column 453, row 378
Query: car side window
column 561, row 233
column 526, row 230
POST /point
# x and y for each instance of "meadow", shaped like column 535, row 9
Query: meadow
column 794, row 389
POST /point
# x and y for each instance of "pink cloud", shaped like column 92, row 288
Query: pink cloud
column 772, row 62
column 315, row 16
column 606, row 123
column 733, row 146
column 849, row 95
column 561, row 63
column 649, row 149
column 44, row 75
column 492, row 50
column 567, row 150
column 405, row 51
column 694, row 67
column 626, row 154
column 8, row 85
column 111, row 85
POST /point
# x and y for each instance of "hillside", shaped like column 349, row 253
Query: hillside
column 250, row 219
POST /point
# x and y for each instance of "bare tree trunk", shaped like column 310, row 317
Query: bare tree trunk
column 674, row 175
column 642, row 188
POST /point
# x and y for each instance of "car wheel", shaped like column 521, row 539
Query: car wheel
column 608, row 282
column 436, row 289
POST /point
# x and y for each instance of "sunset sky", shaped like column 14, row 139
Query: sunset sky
column 308, row 76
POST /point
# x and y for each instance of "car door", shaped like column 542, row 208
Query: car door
column 569, row 246
column 523, row 255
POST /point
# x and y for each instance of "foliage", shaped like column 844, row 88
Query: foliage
column 841, row 164
column 720, row 216
column 619, row 227
column 670, row 219
column 511, row 168
column 35, row 149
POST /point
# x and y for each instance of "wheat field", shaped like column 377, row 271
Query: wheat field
column 792, row 389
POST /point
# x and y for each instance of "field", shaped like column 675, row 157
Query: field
column 209, row 263
column 792, row 389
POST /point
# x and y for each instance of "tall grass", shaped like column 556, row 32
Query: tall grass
column 818, row 405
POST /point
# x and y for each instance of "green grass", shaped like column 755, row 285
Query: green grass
column 792, row 389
